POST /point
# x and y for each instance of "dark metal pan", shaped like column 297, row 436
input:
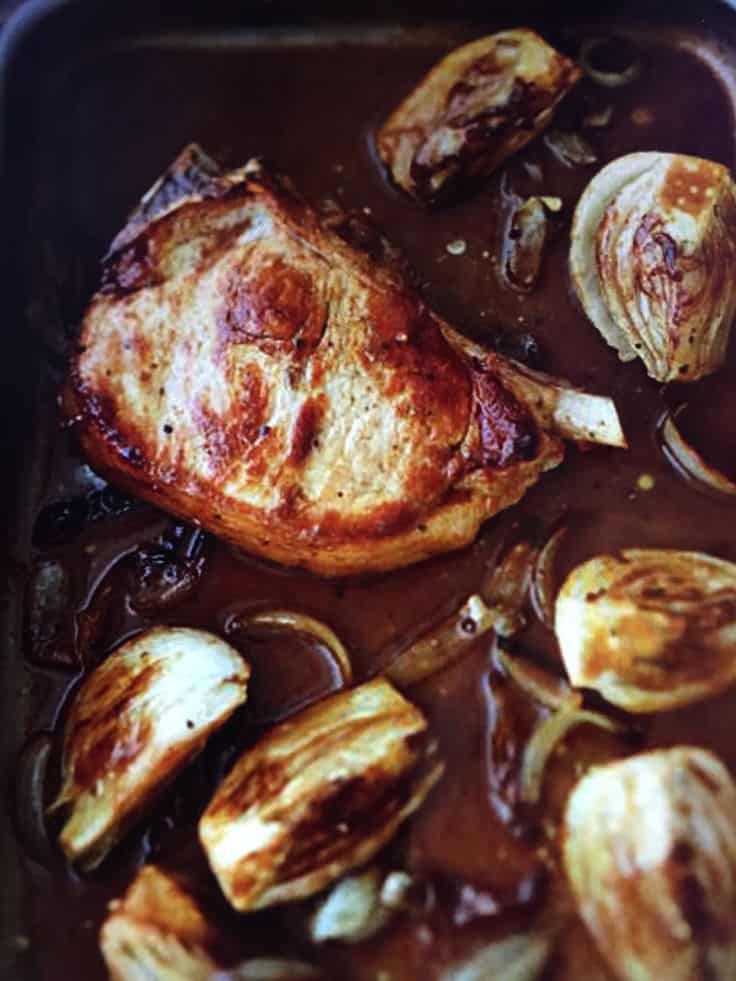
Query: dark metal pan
column 73, row 158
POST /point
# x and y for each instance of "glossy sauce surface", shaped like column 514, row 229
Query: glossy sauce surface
column 311, row 109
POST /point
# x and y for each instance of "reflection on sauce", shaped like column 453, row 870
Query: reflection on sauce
column 288, row 671
column 462, row 832
column 469, row 840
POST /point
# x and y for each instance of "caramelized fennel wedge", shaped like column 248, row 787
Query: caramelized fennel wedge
column 650, row 853
column 649, row 629
column 318, row 796
column 157, row 931
column 653, row 261
column 477, row 106
column 136, row 721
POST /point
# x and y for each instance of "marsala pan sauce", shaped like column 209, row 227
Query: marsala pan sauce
column 107, row 566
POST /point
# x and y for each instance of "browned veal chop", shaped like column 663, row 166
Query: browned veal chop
column 243, row 366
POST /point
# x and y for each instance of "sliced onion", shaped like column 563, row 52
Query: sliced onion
column 543, row 579
column 546, row 737
column 533, row 170
column 686, row 460
column 571, row 149
column 567, row 411
column 609, row 79
column 524, row 245
column 304, row 624
column 598, row 118
column 397, row 890
column 443, row 644
column 351, row 911
column 507, row 587
column 543, row 687
column 521, row 957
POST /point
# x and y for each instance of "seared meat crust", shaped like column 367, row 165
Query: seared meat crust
column 243, row 366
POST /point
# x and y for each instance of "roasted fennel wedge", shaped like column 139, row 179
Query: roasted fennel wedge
column 139, row 717
column 653, row 261
column 649, row 629
column 158, row 931
column 650, row 853
column 477, row 106
column 318, row 795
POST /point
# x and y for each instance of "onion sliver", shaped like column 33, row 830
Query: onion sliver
column 609, row 79
column 443, row 644
column 351, row 911
column 28, row 796
column 543, row 687
column 524, row 244
column 302, row 623
column 543, row 583
column 571, row 149
column 546, row 737
column 506, row 588
column 686, row 460
column 599, row 117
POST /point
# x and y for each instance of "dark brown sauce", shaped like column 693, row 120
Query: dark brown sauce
column 311, row 109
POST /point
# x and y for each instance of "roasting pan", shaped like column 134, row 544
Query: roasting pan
column 50, row 254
